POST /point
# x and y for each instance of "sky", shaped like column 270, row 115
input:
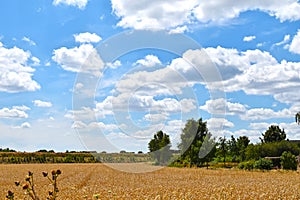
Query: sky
column 107, row 75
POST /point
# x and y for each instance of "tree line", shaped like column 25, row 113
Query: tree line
column 198, row 148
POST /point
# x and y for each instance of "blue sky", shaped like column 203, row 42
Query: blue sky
column 107, row 75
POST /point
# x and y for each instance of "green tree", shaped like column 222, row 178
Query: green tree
column 159, row 147
column 233, row 148
column 242, row 143
column 192, row 137
column 288, row 161
column 223, row 149
column 273, row 134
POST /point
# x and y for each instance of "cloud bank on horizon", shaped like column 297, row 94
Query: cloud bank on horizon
column 45, row 47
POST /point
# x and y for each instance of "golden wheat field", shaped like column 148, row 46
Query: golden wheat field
column 82, row 181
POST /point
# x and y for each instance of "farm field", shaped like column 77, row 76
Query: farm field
column 81, row 181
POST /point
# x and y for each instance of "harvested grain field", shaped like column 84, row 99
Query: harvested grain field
column 82, row 181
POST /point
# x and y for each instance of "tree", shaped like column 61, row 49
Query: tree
column 297, row 118
column 223, row 148
column 192, row 137
column 242, row 143
column 159, row 147
column 288, row 161
column 273, row 134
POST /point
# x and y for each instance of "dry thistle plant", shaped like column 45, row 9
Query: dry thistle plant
column 29, row 186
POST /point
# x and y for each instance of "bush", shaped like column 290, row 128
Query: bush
column 288, row 161
column 263, row 164
column 248, row 165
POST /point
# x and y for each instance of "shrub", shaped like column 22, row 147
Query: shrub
column 248, row 165
column 263, row 164
column 288, row 161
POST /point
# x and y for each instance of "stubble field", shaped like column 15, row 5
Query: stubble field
column 82, row 181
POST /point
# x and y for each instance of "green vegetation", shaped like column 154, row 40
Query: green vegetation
column 273, row 151
column 197, row 148
column 273, row 134
column 71, row 157
column 288, row 161
column 159, row 148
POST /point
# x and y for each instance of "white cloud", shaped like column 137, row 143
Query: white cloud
column 77, row 3
column 157, row 117
column 149, row 61
column 266, row 113
column 285, row 40
column 114, row 65
column 164, row 14
column 39, row 103
column 79, row 86
column 219, row 124
column 262, row 126
column 47, row 64
column 249, row 38
column 295, row 45
column 105, row 107
column 14, row 112
column 30, row 42
column 87, row 37
column 79, row 59
column 291, row 129
column 84, row 114
column 222, row 106
column 156, row 14
column 180, row 29
column 36, row 61
column 25, row 125
column 255, row 72
column 15, row 73
column 218, row 11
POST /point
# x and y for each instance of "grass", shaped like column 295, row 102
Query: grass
column 91, row 181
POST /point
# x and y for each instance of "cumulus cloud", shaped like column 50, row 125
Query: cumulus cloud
column 256, row 72
column 219, row 124
column 84, row 114
column 87, row 37
column 77, row 3
column 222, row 106
column 25, row 125
column 35, row 61
column 164, row 14
column 14, row 112
column 249, row 38
column 79, row 59
column 156, row 14
column 266, row 113
column 114, row 65
column 15, row 72
column 157, row 117
column 295, row 45
column 149, row 61
column 94, row 125
column 39, row 103
column 291, row 129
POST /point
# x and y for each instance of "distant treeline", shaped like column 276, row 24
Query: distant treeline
column 13, row 157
